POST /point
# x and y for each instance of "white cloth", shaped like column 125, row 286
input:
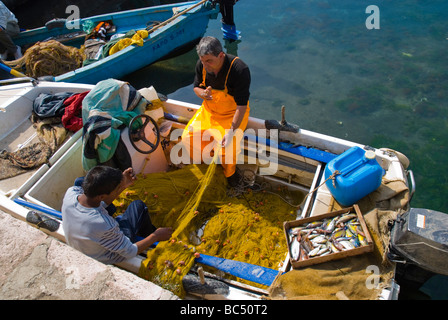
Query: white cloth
column 6, row 16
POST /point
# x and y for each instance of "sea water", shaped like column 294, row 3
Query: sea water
column 375, row 77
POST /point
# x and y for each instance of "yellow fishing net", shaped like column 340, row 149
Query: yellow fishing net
column 137, row 39
column 49, row 58
column 194, row 201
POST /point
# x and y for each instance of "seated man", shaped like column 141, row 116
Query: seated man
column 89, row 227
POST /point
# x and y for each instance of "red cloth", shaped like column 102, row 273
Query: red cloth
column 72, row 119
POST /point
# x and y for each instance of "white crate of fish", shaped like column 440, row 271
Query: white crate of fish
column 326, row 237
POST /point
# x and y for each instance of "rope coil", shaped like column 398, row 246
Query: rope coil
column 49, row 58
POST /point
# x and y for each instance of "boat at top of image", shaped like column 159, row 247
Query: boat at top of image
column 288, row 199
column 132, row 40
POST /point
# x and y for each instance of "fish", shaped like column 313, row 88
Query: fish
column 359, row 231
column 332, row 224
column 329, row 235
column 314, row 224
column 307, row 245
column 346, row 218
column 338, row 246
column 333, row 248
column 322, row 231
column 355, row 242
column 348, row 233
column 295, row 231
column 323, row 250
column 314, row 252
column 337, row 233
column 352, row 228
column 295, row 250
column 303, row 254
column 306, row 231
column 312, row 236
column 347, row 244
column 320, row 239
column 362, row 240
column 325, row 223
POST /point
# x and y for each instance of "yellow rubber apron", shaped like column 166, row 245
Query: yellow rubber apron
column 209, row 124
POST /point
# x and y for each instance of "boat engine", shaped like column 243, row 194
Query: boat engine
column 419, row 245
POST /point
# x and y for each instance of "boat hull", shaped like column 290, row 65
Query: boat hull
column 181, row 32
column 46, row 185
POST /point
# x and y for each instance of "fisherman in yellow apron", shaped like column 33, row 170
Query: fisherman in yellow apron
column 222, row 81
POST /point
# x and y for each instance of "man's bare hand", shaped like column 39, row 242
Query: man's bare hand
column 128, row 177
column 163, row 234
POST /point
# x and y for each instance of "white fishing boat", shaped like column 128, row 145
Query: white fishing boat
column 275, row 152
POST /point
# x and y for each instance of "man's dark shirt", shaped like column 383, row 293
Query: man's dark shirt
column 238, row 83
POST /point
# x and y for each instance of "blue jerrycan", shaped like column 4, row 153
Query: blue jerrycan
column 358, row 175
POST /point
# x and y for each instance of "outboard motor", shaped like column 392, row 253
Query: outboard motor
column 419, row 245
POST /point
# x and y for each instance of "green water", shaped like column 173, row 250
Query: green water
column 382, row 87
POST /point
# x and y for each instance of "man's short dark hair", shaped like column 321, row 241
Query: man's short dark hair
column 101, row 180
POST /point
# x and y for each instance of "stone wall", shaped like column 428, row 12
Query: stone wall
column 36, row 266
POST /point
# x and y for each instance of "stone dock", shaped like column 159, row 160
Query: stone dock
column 37, row 266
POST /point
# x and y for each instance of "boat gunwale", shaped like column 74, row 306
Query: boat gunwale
column 133, row 265
column 201, row 14
column 108, row 16
column 124, row 53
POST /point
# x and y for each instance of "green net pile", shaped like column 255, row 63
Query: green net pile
column 194, row 201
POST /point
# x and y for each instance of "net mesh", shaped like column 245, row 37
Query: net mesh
column 194, row 201
column 48, row 58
